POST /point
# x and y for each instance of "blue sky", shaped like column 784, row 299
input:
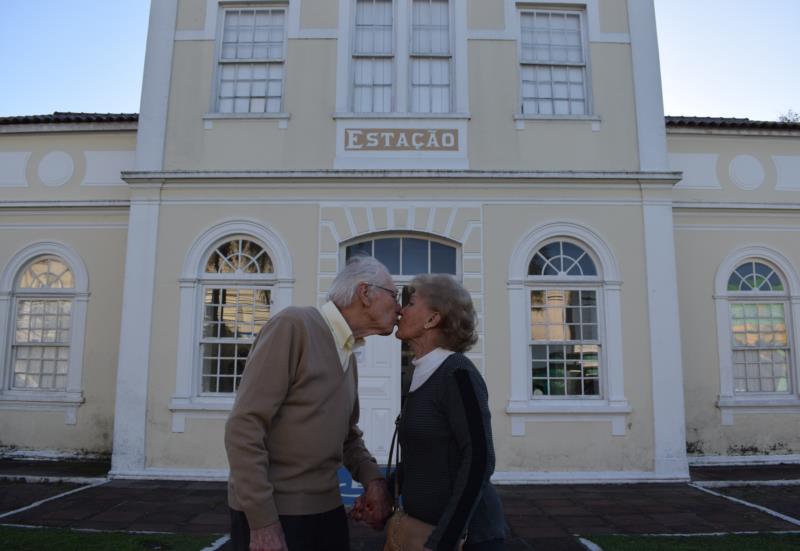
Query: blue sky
column 721, row 58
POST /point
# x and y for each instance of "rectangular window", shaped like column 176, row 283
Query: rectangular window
column 40, row 351
column 565, row 345
column 232, row 317
column 251, row 62
column 760, row 347
column 430, row 57
column 552, row 63
column 373, row 57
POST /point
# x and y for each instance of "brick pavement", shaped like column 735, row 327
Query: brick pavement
column 540, row 516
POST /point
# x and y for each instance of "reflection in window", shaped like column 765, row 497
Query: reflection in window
column 561, row 258
column 564, row 329
column 239, row 256
column 564, row 342
column 40, row 346
column 408, row 255
column 232, row 317
column 234, row 310
column 761, row 351
column 754, row 276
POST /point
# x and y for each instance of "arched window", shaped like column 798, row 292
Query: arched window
column 761, row 350
column 757, row 307
column 565, row 325
column 236, row 288
column 235, row 276
column 564, row 329
column 43, row 302
column 408, row 256
column 44, row 293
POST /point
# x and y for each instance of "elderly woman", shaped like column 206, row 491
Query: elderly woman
column 445, row 432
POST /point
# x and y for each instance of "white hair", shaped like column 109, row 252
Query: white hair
column 359, row 269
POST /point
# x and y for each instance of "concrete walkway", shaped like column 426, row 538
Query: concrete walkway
column 547, row 517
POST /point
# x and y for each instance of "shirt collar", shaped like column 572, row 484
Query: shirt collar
column 427, row 365
column 342, row 334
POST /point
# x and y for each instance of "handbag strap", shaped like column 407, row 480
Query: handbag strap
column 394, row 449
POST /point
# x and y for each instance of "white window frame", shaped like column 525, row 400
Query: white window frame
column 581, row 11
column 729, row 402
column 401, row 87
column 188, row 400
column 224, row 7
column 69, row 399
column 611, row 405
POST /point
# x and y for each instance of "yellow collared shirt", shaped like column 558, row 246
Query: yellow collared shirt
column 346, row 343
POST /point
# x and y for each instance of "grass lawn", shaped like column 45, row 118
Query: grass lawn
column 733, row 542
column 37, row 539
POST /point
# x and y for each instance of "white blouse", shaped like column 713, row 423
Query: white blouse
column 427, row 365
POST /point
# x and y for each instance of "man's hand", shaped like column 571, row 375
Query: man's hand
column 377, row 505
column 269, row 538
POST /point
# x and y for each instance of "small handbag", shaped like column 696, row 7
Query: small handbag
column 404, row 532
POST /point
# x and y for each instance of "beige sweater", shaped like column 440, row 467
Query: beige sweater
column 294, row 423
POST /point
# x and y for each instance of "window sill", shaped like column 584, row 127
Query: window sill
column 520, row 118
column 421, row 116
column 567, row 410
column 201, row 407
column 282, row 118
column 730, row 405
column 67, row 402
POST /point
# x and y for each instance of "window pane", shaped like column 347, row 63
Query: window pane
column 359, row 248
column 443, row 258
column 415, row 256
column 387, row 250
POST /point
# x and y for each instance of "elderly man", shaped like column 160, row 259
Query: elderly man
column 294, row 420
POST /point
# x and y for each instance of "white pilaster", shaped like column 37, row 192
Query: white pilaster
column 152, row 128
column 665, row 341
column 647, row 86
column 130, row 412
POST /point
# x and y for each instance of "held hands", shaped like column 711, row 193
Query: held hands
column 269, row 538
column 374, row 506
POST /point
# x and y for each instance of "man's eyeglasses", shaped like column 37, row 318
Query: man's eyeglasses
column 395, row 294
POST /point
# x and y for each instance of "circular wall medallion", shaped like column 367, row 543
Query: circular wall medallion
column 746, row 172
column 56, row 168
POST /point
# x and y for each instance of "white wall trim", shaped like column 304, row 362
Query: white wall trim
column 729, row 402
column 186, row 402
column 71, row 397
column 613, row 406
column 584, row 477
column 665, row 341
column 153, row 112
column 724, row 460
column 130, row 411
column 650, row 126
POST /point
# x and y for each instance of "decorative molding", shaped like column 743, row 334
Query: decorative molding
column 130, row 411
column 665, row 340
column 152, row 126
column 746, row 172
column 732, row 460
column 650, row 128
column 14, row 168
column 103, row 168
column 699, row 170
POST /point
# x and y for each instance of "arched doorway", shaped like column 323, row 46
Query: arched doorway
column 384, row 364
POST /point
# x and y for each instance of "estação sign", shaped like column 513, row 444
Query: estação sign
column 401, row 139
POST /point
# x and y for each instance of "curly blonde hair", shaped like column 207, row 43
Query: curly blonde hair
column 444, row 294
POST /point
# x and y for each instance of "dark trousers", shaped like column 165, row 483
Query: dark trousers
column 491, row 545
column 322, row 532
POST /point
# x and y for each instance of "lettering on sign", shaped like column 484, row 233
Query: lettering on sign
column 401, row 139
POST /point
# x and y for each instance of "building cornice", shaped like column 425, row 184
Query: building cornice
column 315, row 176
